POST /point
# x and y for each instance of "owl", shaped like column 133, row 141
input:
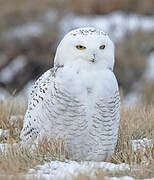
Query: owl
column 78, row 99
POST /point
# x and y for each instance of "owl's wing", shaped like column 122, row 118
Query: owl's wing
column 108, row 106
column 36, row 97
column 109, row 111
column 106, row 125
column 36, row 86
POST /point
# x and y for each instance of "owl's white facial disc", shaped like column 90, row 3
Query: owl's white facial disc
column 86, row 48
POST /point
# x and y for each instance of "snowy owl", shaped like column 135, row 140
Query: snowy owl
column 78, row 99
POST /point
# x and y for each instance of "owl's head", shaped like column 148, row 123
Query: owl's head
column 86, row 47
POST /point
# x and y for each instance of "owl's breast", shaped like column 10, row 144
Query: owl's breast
column 86, row 88
column 77, row 109
column 86, row 85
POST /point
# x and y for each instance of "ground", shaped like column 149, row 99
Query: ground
column 29, row 34
column 134, row 154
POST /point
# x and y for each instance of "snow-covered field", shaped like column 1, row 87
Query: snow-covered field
column 117, row 25
column 70, row 169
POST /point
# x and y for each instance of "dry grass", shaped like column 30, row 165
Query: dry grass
column 91, row 174
column 136, row 123
column 19, row 11
column 19, row 160
column 131, row 58
column 16, row 12
column 148, row 92
column 107, row 6
column 7, row 110
column 80, row 6
column 15, row 160
column 39, row 51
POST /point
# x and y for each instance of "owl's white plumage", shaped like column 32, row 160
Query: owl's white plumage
column 78, row 99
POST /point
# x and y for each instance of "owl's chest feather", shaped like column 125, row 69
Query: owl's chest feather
column 88, row 88
column 87, row 85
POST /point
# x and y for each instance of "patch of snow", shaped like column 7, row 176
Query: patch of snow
column 124, row 178
column 15, row 118
column 132, row 99
column 120, row 178
column 71, row 169
column 2, row 95
column 3, row 147
column 16, row 65
column 116, row 24
column 27, row 30
column 3, row 132
column 47, row 177
column 51, row 16
column 141, row 144
column 149, row 73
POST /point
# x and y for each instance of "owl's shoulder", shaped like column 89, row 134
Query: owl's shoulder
column 41, row 83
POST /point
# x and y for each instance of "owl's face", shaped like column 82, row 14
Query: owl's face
column 86, row 47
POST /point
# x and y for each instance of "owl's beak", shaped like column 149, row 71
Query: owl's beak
column 93, row 59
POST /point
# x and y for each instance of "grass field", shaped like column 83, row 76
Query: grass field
column 132, row 53
column 136, row 123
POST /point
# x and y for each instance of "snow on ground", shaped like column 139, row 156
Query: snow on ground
column 70, row 169
column 3, row 147
column 33, row 28
column 7, row 73
column 16, row 65
column 149, row 73
column 132, row 98
column 3, row 132
column 14, row 120
column 2, row 94
column 27, row 30
column 50, row 17
column 142, row 144
column 125, row 178
column 116, row 24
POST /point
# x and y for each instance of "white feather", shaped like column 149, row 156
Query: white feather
column 78, row 99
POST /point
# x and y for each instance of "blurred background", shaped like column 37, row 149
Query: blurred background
column 31, row 30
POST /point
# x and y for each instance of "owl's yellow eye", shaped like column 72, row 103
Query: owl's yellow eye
column 102, row 47
column 80, row 47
